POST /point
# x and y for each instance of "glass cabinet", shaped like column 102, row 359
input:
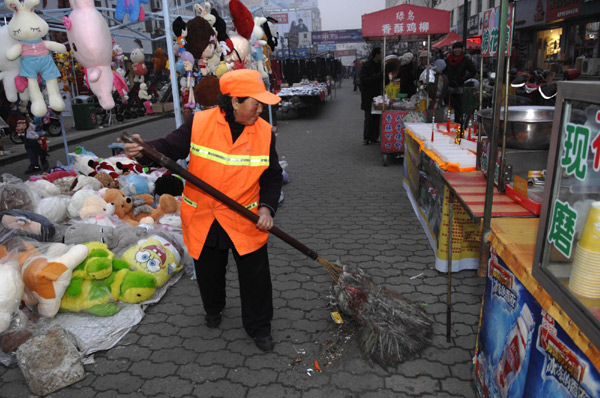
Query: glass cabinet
column 567, row 255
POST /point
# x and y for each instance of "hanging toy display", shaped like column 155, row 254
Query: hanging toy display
column 29, row 29
column 119, row 57
column 9, row 70
column 139, row 66
column 188, row 63
column 201, row 42
column 241, row 55
column 257, row 42
column 180, row 30
column 133, row 8
column 91, row 43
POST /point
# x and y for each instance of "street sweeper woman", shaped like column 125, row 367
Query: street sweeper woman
column 232, row 149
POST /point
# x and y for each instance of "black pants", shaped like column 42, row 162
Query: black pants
column 371, row 127
column 456, row 104
column 255, row 286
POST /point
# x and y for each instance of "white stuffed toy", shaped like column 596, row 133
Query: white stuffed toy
column 47, row 276
column 143, row 92
column 257, row 42
column 9, row 70
column 29, row 29
column 11, row 291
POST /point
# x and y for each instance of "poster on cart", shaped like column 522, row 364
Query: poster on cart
column 392, row 129
column 508, row 321
column 557, row 367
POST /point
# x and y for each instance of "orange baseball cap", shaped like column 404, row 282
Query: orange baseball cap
column 247, row 83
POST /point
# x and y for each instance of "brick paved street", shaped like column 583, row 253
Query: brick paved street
column 344, row 204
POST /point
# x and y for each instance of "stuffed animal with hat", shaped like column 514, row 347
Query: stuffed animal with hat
column 207, row 92
column 156, row 256
column 244, row 25
column 29, row 28
column 201, row 42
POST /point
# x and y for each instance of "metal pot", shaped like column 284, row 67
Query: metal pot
column 529, row 127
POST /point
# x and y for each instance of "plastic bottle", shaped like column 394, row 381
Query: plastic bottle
column 511, row 361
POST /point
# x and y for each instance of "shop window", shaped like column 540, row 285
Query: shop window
column 548, row 48
column 586, row 40
column 479, row 6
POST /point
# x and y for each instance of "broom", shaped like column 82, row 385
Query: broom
column 391, row 328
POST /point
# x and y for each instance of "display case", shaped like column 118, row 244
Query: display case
column 567, row 255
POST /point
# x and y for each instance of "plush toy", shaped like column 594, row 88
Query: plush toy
column 93, row 205
column 133, row 8
column 105, row 166
column 120, row 84
column 127, row 165
column 180, row 30
column 201, row 42
column 220, row 26
column 159, row 60
column 118, row 239
column 188, row 64
column 106, row 180
column 98, row 296
column 97, row 264
column 9, row 70
column 11, row 291
column 29, row 29
column 239, row 58
column 143, row 92
column 139, row 66
column 120, row 58
column 91, row 42
column 22, row 222
column 136, row 184
column 168, row 183
column 85, row 182
column 123, row 205
column 43, row 188
column 242, row 18
column 54, row 208
column 257, row 42
column 80, row 163
column 167, row 204
column 155, row 256
column 207, row 91
column 47, row 276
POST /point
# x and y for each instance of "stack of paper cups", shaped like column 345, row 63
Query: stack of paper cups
column 585, row 274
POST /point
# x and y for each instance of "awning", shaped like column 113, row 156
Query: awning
column 406, row 20
column 453, row 37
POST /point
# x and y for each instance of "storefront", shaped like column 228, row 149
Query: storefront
column 557, row 36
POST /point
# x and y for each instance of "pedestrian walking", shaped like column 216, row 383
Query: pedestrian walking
column 458, row 69
column 371, row 80
column 38, row 157
column 232, row 149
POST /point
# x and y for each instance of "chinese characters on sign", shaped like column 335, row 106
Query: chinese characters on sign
column 576, row 146
column 490, row 30
column 406, row 19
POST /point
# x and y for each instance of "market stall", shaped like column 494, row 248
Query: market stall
column 403, row 22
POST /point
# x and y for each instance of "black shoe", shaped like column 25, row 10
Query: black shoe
column 33, row 169
column 264, row 343
column 45, row 165
column 212, row 321
column 375, row 141
column 366, row 142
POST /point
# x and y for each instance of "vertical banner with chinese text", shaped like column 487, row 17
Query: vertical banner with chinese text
column 490, row 30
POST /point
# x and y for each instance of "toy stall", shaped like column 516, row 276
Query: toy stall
column 403, row 22
column 539, row 329
column 87, row 247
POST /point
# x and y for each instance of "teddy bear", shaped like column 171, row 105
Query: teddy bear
column 159, row 60
column 139, row 66
column 123, row 205
column 145, row 98
column 95, row 205
column 167, row 205
column 47, row 276
column 11, row 291
column 106, row 180
column 29, row 29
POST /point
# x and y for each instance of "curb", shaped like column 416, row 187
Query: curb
column 84, row 137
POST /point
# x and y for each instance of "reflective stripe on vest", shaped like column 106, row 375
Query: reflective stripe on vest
column 228, row 159
column 195, row 205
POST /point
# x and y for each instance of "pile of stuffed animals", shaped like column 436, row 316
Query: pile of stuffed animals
column 88, row 239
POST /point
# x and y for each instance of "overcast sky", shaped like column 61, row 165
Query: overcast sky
column 345, row 14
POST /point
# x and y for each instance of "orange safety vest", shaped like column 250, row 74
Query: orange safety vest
column 232, row 168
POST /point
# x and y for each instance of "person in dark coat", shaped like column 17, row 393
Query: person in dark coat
column 371, row 80
column 458, row 69
column 407, row 75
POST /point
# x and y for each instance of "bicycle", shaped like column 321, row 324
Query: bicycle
column 6, row 131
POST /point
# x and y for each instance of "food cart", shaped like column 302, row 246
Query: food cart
column 408, row 22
